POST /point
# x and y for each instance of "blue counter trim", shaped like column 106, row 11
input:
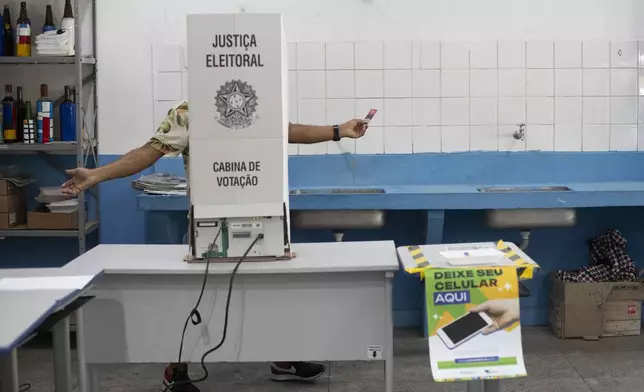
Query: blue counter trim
column 446, row 197
column 451, row 181
column 472, row 168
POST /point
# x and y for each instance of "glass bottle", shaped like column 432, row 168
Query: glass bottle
column 9, row 115
column 9, row 42
column 67, row 112
column 2, row 36
column 29, row 125
column 23, row 32
column 69, row 11
column 20, row 114
column 49, row 20
column 45, row 110
column 67, row 23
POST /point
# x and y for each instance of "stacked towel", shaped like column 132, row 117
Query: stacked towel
column 55, row 43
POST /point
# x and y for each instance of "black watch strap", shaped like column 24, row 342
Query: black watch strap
column 336, row 133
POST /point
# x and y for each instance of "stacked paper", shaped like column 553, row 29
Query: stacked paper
column 161, row 184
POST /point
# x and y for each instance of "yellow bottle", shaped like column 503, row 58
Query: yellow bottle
column 23, row 33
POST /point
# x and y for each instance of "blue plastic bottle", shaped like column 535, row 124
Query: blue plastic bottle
column 67, row 113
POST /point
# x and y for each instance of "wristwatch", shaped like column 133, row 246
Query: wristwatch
column 336, row 133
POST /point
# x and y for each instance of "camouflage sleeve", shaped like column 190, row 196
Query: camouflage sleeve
column 171, row 137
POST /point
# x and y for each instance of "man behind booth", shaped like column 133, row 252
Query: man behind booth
column 171, row 139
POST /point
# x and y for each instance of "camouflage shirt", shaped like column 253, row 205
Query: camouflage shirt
column 171, row 138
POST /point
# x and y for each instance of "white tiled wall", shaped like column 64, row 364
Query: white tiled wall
column 455, row 96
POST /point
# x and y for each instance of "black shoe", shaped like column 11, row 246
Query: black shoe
column 298, row 371
column 178, row 373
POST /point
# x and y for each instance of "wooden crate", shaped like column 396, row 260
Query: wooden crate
column 593, row 310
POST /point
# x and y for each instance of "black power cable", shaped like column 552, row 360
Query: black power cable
column 196, row 313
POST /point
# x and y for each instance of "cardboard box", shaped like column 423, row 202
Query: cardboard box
column 11, row 220
column 52, row 220
column 12, row 203
column 593, row 310
column 7, row 188
column 12, row 210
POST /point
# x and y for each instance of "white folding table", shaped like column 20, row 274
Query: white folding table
column 26, row 310
column 332, row 302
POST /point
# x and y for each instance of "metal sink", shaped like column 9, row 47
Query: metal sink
column 327, row 191
column 338, row 219
column 526, row 189
column 525, row 219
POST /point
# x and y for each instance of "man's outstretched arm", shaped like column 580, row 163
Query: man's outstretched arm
column 171, row 139
column 308, row 134
column 129, row 164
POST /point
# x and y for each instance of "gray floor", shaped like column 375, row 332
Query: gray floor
column 609, row 365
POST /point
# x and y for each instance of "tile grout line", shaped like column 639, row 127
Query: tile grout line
column 637, row 95
column 565, row 356
column 582, row 96
column 554, row 88
column 469, row 97
column 440, row 96
column 610, row 92
column 498, row 94
column 526, row 93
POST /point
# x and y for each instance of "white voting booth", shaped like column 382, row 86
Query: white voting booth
column 238, row 91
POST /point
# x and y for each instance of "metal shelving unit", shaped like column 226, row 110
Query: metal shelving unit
column 84, row 68
column 46, row 60
column 60, row 148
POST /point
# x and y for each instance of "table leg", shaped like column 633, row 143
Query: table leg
column 389, row 351
column 9, row 372
column 93, row 378
column 475, row 386
column 423, row 313
column 62, row 356
column 80, row 351
column 484, row 386
column 492, row 386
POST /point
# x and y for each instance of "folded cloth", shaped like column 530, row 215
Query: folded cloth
column 57, row 52
column 51, row 40
column 53, row 36
column 53, row 49
column 53, row 43
column 52, row 46
column 609, row 262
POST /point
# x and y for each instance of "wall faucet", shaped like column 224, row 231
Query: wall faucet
column 519, row 133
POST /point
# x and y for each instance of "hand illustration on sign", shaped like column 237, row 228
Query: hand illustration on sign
column 504, row 312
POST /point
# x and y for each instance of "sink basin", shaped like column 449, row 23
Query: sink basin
column 338, row 219
column 327, row 191
column 534, row 218
column 526, row 189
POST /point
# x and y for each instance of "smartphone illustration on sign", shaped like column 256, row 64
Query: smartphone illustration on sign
column 370, row 115
column 464, row 328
